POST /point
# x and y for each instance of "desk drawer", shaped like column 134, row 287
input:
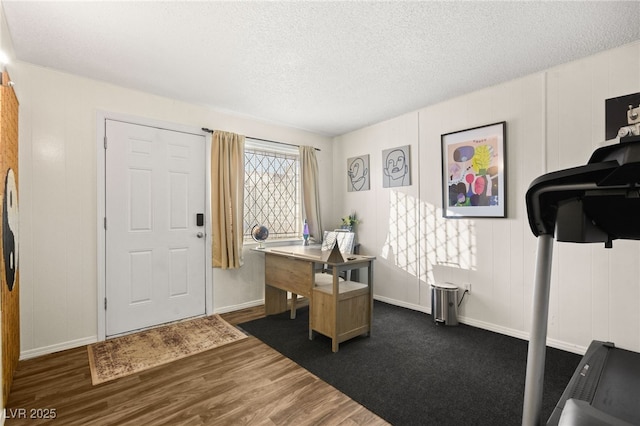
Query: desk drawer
column 294, row 275
column 352, row 315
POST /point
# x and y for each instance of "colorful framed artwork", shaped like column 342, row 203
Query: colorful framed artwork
column 474, row 172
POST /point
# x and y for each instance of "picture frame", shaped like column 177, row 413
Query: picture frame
column 621, row 116
column 474, row 183
column 358, row 173
column 396, row 167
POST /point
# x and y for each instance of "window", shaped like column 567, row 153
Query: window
column 272, row 189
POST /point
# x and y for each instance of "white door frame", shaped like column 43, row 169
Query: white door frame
column 101, row 116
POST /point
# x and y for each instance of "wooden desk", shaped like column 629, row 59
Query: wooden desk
column 340, row 311
column 288, row 269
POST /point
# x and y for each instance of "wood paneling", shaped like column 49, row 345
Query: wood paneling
column 10, row 303
column 245, row 382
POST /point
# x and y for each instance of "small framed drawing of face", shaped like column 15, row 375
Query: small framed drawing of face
column 396, row 167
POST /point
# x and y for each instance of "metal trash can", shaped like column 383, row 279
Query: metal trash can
column 444, row 303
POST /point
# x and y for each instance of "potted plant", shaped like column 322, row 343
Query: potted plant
column 348, row 222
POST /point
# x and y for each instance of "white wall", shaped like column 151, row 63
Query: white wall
column 58, row 199
column 555, row 119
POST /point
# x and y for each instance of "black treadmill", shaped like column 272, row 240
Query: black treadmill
column 597, row 202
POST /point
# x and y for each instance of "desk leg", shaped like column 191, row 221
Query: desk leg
column 335, row 310
column 370, row 283
column 311, row 316
column 294, row 301
column 275, row 300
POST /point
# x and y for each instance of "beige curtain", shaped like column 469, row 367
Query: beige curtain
column 227, row 199
column 310, row 191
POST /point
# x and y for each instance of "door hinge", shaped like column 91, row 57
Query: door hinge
column 105, row 223
column 105, row 142
column 105, row 303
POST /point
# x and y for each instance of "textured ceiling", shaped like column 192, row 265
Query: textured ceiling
column 327, row 67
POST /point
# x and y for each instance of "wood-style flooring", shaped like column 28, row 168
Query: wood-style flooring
column 243, row 383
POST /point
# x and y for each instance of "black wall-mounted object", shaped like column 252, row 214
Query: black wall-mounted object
column 200, row 219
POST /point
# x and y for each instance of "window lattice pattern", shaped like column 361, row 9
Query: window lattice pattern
column 271, row 193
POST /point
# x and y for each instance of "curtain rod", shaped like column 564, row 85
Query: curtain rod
column 204, row 129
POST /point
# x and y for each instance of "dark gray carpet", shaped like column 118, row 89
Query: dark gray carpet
column 414, row 372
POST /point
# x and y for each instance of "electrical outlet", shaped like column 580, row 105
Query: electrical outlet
column 467, row 287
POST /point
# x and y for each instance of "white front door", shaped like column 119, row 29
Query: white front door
column 155, row 243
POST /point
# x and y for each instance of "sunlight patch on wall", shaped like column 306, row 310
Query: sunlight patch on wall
column 450, row 242
column 401, row 245
column 419, row 238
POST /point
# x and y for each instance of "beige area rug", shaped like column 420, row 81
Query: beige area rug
column 136, row 352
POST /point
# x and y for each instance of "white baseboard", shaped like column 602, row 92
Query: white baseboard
column 402, row 304
column 554, row 343
column 45, row 350
column 231, row 308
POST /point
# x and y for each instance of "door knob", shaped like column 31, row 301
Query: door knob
column 200, row 234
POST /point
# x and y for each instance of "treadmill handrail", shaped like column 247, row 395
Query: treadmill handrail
column 536, row 210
